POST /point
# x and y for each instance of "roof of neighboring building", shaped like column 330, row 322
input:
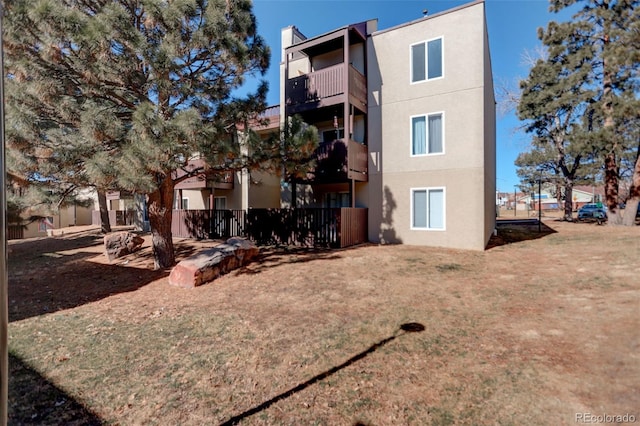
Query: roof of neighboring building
column 590, row 189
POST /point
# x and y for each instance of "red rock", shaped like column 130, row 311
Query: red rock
column 209, row 264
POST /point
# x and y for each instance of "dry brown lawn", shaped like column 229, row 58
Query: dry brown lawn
column 531, row 332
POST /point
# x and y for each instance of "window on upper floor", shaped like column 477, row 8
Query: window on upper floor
column 427, row 208
column 427, row 134
column 427, row 60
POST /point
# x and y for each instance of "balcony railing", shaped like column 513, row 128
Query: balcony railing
column 326, row 87
column 217, row 180
column 223, row 180
column 313, row 227
column 358, row 161
column 337, row 161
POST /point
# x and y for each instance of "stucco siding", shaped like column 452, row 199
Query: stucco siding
column 463, row 171
column 464, row 208
column 463, row 132
column 462, row 34
column 264, row 190
column 489, row 142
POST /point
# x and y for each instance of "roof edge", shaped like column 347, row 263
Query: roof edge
column 427, row 17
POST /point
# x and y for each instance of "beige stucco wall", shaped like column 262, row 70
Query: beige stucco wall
column 489, row 142
column 65, row 217
column 466, row 169
column 264, row 190
column 198, row 199
column 326, row 60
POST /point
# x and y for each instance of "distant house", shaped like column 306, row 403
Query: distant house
column 40, row 221
column 584, row 194
column 581, row 195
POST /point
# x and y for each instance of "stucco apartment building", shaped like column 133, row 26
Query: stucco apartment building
column 406, row 117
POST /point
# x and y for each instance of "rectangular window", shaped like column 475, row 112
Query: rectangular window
column 426, row 60
column 427, row 211
column 434, row 60
column 338, row 199
column 427, row 134
column 418, row 62
column 220, row 203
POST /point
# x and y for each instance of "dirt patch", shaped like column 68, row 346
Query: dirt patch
column 533, row 331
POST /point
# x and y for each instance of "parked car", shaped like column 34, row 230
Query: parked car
column 592, row 211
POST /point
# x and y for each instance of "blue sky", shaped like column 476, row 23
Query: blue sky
column 512, row 26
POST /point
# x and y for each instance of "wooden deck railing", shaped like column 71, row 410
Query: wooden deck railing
column 358, row 160
column 337, row 161
column 353, row 226
column 358, row 87
column 207, row 224
column 309, row 227
column 15, row 232
column 327, row 83
column 116, row 217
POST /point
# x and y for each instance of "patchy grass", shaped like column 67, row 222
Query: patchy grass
column 528, row 332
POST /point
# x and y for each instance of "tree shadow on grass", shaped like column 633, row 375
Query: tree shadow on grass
column 411, row 327
column 33, row 400
column 272, row 257
column 510, row 232
column 52, row 274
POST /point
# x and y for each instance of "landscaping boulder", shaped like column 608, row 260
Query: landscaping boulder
column 209, row 264
column 118, row 244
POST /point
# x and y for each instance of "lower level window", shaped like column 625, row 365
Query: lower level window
column 427, row 208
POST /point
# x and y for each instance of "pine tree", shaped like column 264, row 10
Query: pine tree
column 129, row 90
column 553, row 100
column 605, row 33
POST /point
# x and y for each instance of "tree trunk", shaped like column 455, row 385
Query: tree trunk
column 631, row 208
column 611, row 170
column 105, row 224
column 160, row 205
column 611, row 189
column 568, row 200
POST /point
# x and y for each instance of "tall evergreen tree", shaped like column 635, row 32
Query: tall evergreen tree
column 553, row 99
column 45, row 144
column 605, row 35
column 133, row 88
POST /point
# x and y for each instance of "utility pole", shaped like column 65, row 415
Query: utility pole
column 4, row 307
column 539, row 205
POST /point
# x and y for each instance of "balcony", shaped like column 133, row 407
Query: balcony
column 325, row 87
column 219, row 180
column 204, row 179
column 340, row 162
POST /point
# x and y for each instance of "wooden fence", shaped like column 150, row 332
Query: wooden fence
column 208, row 224
column 116, row 217
column 15, row 232
column 310, row 227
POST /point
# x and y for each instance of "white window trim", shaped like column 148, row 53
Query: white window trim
column 426, row 116
column 444, row 208
column 426, row 61
column 182, row 203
